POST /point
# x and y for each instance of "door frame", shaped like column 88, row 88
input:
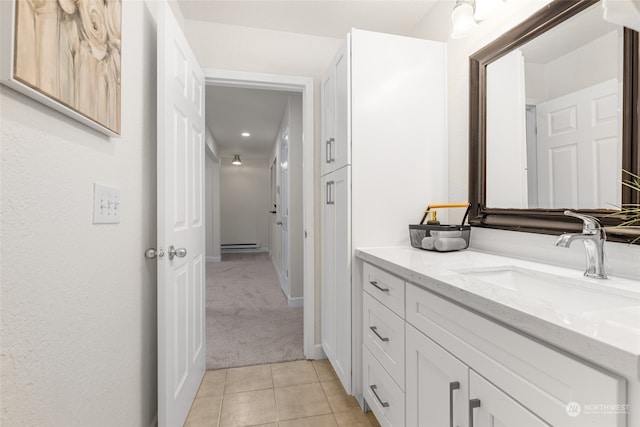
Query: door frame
column 303, row 85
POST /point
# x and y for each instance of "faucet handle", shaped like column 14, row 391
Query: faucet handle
column 590, row 224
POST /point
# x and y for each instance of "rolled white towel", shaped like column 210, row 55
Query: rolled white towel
column 446, row 233
column 427, row 243
column 446, row 244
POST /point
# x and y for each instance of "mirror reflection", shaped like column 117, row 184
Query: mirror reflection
column 553, row 119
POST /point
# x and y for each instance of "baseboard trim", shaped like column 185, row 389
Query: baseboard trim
column 316, row 353
column 214, row 259
column 154, row 421
column 244, row 251
column 295, row 302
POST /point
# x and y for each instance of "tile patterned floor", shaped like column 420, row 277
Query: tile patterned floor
column 291, row 394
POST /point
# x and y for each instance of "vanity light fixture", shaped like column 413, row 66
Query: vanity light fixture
column 236, row 160
column 245, row 134
column 484, row 8
column 462, row 19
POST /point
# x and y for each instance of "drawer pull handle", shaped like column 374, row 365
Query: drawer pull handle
column 375, row 284
column 373, row 390
column 374, row 329
column 455, row 385
column 473, row 403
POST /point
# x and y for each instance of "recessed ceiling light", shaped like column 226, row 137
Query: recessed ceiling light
column 246, row 134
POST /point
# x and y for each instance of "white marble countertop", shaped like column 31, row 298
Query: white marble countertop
column 608, row 338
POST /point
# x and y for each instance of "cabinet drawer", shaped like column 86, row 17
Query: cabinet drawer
column 381, row 393
column 542, row 379
column 384, row 337
column 385, row 287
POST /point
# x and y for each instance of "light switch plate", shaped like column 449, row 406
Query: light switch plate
column 106, row 204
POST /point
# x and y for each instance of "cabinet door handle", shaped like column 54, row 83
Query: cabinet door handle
column 455, row 385
column 332, row 143
column 473, row 403
column 327, row 151
column 373, row 390
column 374, row 329
column 375, row 284
column 329, row 192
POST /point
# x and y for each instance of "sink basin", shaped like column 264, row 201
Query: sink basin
column 560, row 294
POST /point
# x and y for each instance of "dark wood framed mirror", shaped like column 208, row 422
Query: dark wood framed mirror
column 549, row 218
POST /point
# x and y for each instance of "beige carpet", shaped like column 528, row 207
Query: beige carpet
column 248, row 319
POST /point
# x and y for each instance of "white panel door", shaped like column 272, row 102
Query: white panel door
column 437, row 384
column 579, row 149
column 328, row 101
column 181, row 339
column 328, row 324
column 336, row 273
column 493, row 408
column 341, row 147
column 284, row 211
column 335, row 111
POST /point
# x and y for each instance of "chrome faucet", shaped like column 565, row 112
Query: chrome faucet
column 593, row 236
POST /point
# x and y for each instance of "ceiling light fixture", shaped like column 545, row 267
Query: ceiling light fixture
column 484, row 8
column 462, row 19
column 245, row 134
column 236, row 160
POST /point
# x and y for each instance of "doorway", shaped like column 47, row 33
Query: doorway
column 302, row 87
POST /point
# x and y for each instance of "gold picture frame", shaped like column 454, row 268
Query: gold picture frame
column 66, row 54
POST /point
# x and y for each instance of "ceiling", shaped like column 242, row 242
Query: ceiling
column 230, row 111
column 325, row 18
column 568, row 36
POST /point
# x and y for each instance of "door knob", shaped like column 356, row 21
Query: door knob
column 180, row 252
column 272, row 212
column 279, row 223
column 151, row 253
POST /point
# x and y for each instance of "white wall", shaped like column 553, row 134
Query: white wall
column 623, row 258
column 212, row 198
column 244, row 201
column 212, row 209
column 577, row 69
column 78, row 301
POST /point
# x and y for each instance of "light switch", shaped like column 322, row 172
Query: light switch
column 106, row 205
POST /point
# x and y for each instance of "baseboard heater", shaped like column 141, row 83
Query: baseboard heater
column 240, row 247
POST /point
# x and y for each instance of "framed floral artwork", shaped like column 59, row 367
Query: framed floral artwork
column 65, row 54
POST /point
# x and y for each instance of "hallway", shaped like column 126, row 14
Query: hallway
column 248, row 320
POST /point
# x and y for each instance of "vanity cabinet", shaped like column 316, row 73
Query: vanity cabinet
column 384, row 345
column 443, row 391
column 542, row 379
column 383, row 161
column 463, row 369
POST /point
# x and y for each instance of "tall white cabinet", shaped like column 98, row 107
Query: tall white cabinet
column 383, row 161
